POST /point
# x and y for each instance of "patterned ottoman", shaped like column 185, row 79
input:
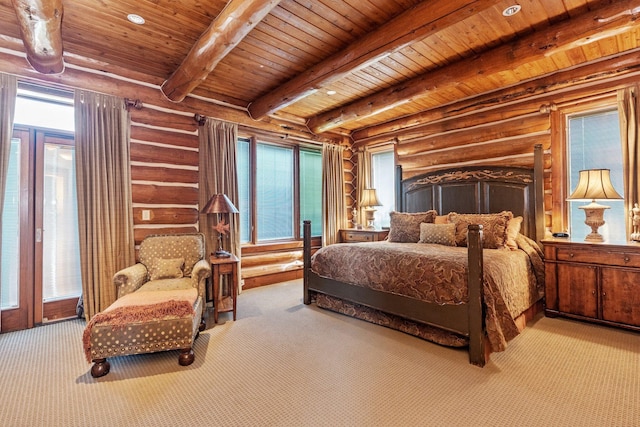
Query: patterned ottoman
column 144, row 322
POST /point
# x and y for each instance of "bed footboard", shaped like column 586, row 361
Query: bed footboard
column 463, row 319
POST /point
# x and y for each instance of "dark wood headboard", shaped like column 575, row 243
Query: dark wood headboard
column 479, row 189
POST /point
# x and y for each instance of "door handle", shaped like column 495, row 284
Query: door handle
column 38, row 235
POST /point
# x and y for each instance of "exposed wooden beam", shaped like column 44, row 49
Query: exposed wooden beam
column 41, row 29
column 235, row 21
column 555, row 87
column 412, row 25
column 86, row 74
column 583, row 29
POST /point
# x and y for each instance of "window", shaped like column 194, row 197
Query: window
column 244, row 183
column 311, row 190
column 274, row 192
column 383, row 180
column 286, row 184
column 40, row 216
column 594, row 143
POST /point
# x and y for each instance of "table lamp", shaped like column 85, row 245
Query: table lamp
column 594, row 184
column 368, row 200
column 220, row 205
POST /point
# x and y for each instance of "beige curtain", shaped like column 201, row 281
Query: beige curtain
column 334, row 207
column 8, row 90
column 105, row 213
column 628, row 110
column 363, row 180
column 217, row 174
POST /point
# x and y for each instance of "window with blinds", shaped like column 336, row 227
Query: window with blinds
column 286, row 185
column 594, row 143
column 382, row 173
column 311, row 190
column 274, row 192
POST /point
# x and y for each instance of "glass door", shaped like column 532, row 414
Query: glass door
column 59, row 283
column 16, row 296
column 40, row 270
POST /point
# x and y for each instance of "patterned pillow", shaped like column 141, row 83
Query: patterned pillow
column 442, row 234
column 166, row 268
column 405, row 227
column 494, row 228
column 441, row 219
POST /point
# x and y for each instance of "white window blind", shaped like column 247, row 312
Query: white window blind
column 594, row 143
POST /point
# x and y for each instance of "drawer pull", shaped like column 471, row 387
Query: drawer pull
column 571, row 255
column 627, row 259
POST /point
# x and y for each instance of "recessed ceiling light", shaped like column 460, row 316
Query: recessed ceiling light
column 331, row 92
column 512, row 10
column 136, row 19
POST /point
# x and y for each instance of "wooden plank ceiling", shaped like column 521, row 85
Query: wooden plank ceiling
column 381, row 59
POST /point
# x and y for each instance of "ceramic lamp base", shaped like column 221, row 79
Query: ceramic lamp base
column 594, row 213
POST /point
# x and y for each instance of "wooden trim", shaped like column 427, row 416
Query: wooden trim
column 59, row 309
column 270, row 279
column 39, row 224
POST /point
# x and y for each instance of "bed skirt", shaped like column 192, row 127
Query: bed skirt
column 421, row 330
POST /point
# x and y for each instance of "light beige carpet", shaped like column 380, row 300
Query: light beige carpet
column 285, row 364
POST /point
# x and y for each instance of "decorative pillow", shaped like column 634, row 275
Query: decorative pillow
column 513, row 228
column 441, row 219
column 442, row 234
column 166, row 268
column 405, row 227
column 494, row 228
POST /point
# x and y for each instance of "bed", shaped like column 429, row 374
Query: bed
column 478, row 310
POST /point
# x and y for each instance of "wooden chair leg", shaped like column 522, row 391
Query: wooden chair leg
column 100, row 368
column 186, row 357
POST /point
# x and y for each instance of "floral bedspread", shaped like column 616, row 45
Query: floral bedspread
column 513, row 280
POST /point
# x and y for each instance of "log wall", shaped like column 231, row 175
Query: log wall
column 164, row 171
column 502, row 137
column 501, row 128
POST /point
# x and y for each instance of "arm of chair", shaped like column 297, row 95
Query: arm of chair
column 129, row 279
column 199, row 274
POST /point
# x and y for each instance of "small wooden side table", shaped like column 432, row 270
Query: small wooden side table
column 224, row 267
column 351, row 235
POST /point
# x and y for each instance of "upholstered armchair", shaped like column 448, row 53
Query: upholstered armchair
column 159, row 306
column 173, row 261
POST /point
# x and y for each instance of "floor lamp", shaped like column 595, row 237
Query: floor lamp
column 594, row 184
column 220, row 205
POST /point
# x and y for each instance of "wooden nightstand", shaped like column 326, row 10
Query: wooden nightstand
column 598, row 282
column 350, row 235
column 221, row 267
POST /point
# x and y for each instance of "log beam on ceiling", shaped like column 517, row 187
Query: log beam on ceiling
column 232, row 25
column 81, row 74
column 607, row 21
column 414, row 24
column 593, row 77
column 40, row 24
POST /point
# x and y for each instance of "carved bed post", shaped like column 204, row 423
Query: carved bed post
column 475, row 279
column 306, row 256
column 398, row 185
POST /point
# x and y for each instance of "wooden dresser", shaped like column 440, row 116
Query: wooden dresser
column 597, row 282
column 350, row 235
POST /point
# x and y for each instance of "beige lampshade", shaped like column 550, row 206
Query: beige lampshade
column 219, row 203
column 369, row 198
column 594, row 184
